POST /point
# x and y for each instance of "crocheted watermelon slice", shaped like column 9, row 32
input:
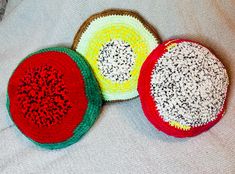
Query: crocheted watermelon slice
column 53, row 97
column 115, row 43
column 183, row 88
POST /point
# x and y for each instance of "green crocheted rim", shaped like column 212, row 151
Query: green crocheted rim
column 92, row 92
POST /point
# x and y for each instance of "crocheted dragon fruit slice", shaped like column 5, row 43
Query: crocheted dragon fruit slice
column 183, row 87
column 53, row 97
column 116, row 43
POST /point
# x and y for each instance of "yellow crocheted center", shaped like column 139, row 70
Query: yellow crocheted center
column 128, row 34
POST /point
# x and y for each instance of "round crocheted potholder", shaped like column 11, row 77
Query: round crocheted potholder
column 182, row 88
column 53, row 97
column 116, row 43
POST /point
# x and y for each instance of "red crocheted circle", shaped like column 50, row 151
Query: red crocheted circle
column 47, row 97
column 149, row 105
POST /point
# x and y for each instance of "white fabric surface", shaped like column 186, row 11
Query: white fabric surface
column 3, row 4
column 122, row 140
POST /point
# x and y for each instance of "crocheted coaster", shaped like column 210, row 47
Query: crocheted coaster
column 183, row 87
column 53, row 97
column 116, row 43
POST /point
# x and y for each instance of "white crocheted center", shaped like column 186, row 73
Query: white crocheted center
column 116, row 60
column 189, row 85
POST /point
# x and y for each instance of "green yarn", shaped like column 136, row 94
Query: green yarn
column 92, row 93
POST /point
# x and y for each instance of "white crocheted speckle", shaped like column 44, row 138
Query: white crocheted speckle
column 189, row 85
column 116, row 60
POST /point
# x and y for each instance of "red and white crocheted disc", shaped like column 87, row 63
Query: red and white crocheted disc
column 182, row 88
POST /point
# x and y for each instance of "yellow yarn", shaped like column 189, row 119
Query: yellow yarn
column 179, row 126
column 117, row 31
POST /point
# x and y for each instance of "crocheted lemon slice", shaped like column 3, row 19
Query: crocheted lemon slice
column 115, row 43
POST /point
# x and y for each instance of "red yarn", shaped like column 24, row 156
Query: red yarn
column 47, row 97
column 149, row 105
column 42, row 96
